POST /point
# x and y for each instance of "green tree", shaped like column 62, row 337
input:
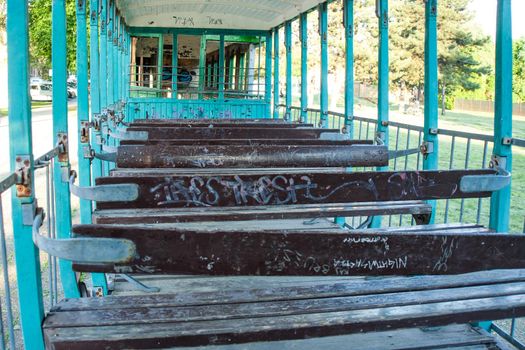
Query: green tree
column 40, row 21
column 518, row 87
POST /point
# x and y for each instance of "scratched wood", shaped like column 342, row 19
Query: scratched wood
column 240, row 156
column 286, row 189
column 163, row 172
column 167, row 132
column 212, row 123
column 221, row 121
column 248, row 142
column 166, row 249
column 140, row 328
column 270, row 212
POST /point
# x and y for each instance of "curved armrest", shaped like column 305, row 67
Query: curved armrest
column 104, row 193
column 485, row 183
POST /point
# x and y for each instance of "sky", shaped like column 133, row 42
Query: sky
column 486, row 16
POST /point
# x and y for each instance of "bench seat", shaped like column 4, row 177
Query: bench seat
column 420, row 210
column 313, row 309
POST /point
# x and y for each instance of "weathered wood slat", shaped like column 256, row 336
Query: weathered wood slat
column 285, row 189
column 167, row 132
column 228, row 311
column 238, row 156
column 259, row 289
column 221, row 122
column 165, row 249
column 163, row 172
column 216, row 332
column 270, row 212
column 248, row 142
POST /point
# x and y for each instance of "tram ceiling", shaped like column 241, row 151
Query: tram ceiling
column 212, row 14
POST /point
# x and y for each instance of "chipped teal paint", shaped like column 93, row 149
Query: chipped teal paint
column 221, row 68
column 288, row 48
column 276, row 91
column 430, row 161
column 27, row 259
column 304, row 66
column 383, row 71
column 348, row 21
column 323, row 33
column 268, row 76
column 500, row 202
column 174, row 64
column 60, row 110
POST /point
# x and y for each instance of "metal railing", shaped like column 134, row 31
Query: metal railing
column 10, row 332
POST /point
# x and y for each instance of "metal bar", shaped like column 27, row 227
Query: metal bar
column 450, row 166
column 60, row 125
column 430, row 160
column 99, row 250
column 103, row 58
column 304, row 66
column 502, row 153
column 175, row 65
column 7, row 287
column 323, row 33
column 202, row 64
column 139, row 285
column 49, row 234
column 348, row 19
column 19, row 106
column 483, row 165
column 109, row 48
column 105, row 193
column 467, row 156
column 516, row 343
column 52, row 219
column 221, row 68
column 288, row 48
column 7, row 182
column 276, row 92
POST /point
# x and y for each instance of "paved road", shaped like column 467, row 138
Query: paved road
column 43, row 139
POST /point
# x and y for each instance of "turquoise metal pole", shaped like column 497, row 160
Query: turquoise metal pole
column 174, row 64
column 383, row 71
column 61, row 170
column 430, row 136
column 502, row 153
column 98, row 279
column 109, row 44
column 221, row 67
column 276, row 73
column 304, row 67
column 323, row 33
column 202, row 65
column 288, row 44
column 116, row 77
column 268, row 75
column 348, row 16
column 103, row 56
column 27, row 258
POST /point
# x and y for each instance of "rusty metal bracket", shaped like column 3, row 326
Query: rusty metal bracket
column 426, row 148
column 84, row 131
column 23, row 176
column 62, row 143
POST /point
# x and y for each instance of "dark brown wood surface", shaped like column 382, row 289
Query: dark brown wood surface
column 248, row 142
column 270, row 212
column 284, row 189
column 241, row 156
column 166, row 132
column 219, row 251
column 219, row 123
column 239, row 316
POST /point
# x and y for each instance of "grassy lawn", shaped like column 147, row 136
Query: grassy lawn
column 34, row 104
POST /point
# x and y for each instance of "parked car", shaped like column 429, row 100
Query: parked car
column 41, row 91
column 71, row 90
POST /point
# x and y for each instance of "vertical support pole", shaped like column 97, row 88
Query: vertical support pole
column 103, row 56
column 202, row 65
column 242, row 71
column 304, row 67
column 383, row 71
column 160, row 61
column 116, row 76
column 174, row 66
column 27, row 257
column 99, row 279
column 323, row 33
column 502, row 153
column 288, row 44
column 109, row 43
column 221, row 67
column 430, row 136
column 348, row 21
column 60, row 110
column 268, row 75
column 230, row 70
column 276, row 92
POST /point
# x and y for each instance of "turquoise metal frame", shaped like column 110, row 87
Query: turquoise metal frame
column 268, row 75
column 276, row 92
column 27, row 258
column 60, row 125
column 430, row 134
column 303, row 27
column 288, row 47
column 348, row 23
column 323, row 33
